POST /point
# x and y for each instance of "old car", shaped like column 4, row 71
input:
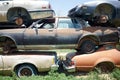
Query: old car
column 27, row 63
column 91, row 9
column 57, row 33
column 24, row 9
column 105, row 60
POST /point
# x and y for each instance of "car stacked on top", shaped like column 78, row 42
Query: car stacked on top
column 20, row 12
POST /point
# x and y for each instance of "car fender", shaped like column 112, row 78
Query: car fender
column 9, row 37
column 104, row 60
column 22, row 63
column 88, row 37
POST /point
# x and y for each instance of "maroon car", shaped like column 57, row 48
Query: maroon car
column 57, row 33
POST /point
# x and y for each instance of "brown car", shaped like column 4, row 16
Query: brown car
column 57, row 33
column 105, row 60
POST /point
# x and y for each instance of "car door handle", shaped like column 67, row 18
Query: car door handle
column 5, row 3
column 50, row 30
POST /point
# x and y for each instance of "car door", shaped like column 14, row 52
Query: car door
column 41, row 38
column 67, row 33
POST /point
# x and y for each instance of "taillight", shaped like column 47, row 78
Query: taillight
column 49, row 6
column 72, row 63
column 43, row 7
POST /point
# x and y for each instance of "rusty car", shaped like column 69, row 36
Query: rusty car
column 27, row 63
column 57, row 33
column 89, row 10
column 24, row 9
column 105, row 60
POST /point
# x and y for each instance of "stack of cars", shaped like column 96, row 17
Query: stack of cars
column 13, row 14
column 58, row 33
column 18, row 45
column 106, row 57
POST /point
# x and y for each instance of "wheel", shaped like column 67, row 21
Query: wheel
column 87, row 46
column 19, row 21
column 26, row 70
column 8, row 47
column 105, row 67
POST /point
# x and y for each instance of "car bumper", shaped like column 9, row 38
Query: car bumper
column 69, row 68
column 54, row 67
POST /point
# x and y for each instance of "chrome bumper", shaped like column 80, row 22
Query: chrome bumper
column 54, row 67
column 69, row 68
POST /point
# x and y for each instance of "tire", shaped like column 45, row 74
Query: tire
column 87, row 46
column 8, row 47
column 26, row 70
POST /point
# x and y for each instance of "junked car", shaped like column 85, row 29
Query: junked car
column 57, row 33
column 24, row 9
column 105, row 60
column 90, row 10
column 27, row 63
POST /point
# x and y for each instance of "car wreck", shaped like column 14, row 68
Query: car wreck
column 14, row 12
column 28, row 63
column 92, row 9
column 105, row 60
column 57, row 33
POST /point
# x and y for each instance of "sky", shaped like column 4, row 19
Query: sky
column 61, row 7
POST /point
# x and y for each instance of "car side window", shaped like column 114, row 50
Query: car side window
column 65, row 23
column 48, row 26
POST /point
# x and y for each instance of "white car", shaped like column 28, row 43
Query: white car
column 27, row 9
column 27, row 63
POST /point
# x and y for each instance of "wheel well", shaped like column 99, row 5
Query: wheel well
column 106, row 64
column 17, row 11
column 93, row 38
column 4, row 38
column 18, row 65
column 107, row 5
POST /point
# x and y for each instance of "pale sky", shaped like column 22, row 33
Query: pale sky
column 62, row 7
